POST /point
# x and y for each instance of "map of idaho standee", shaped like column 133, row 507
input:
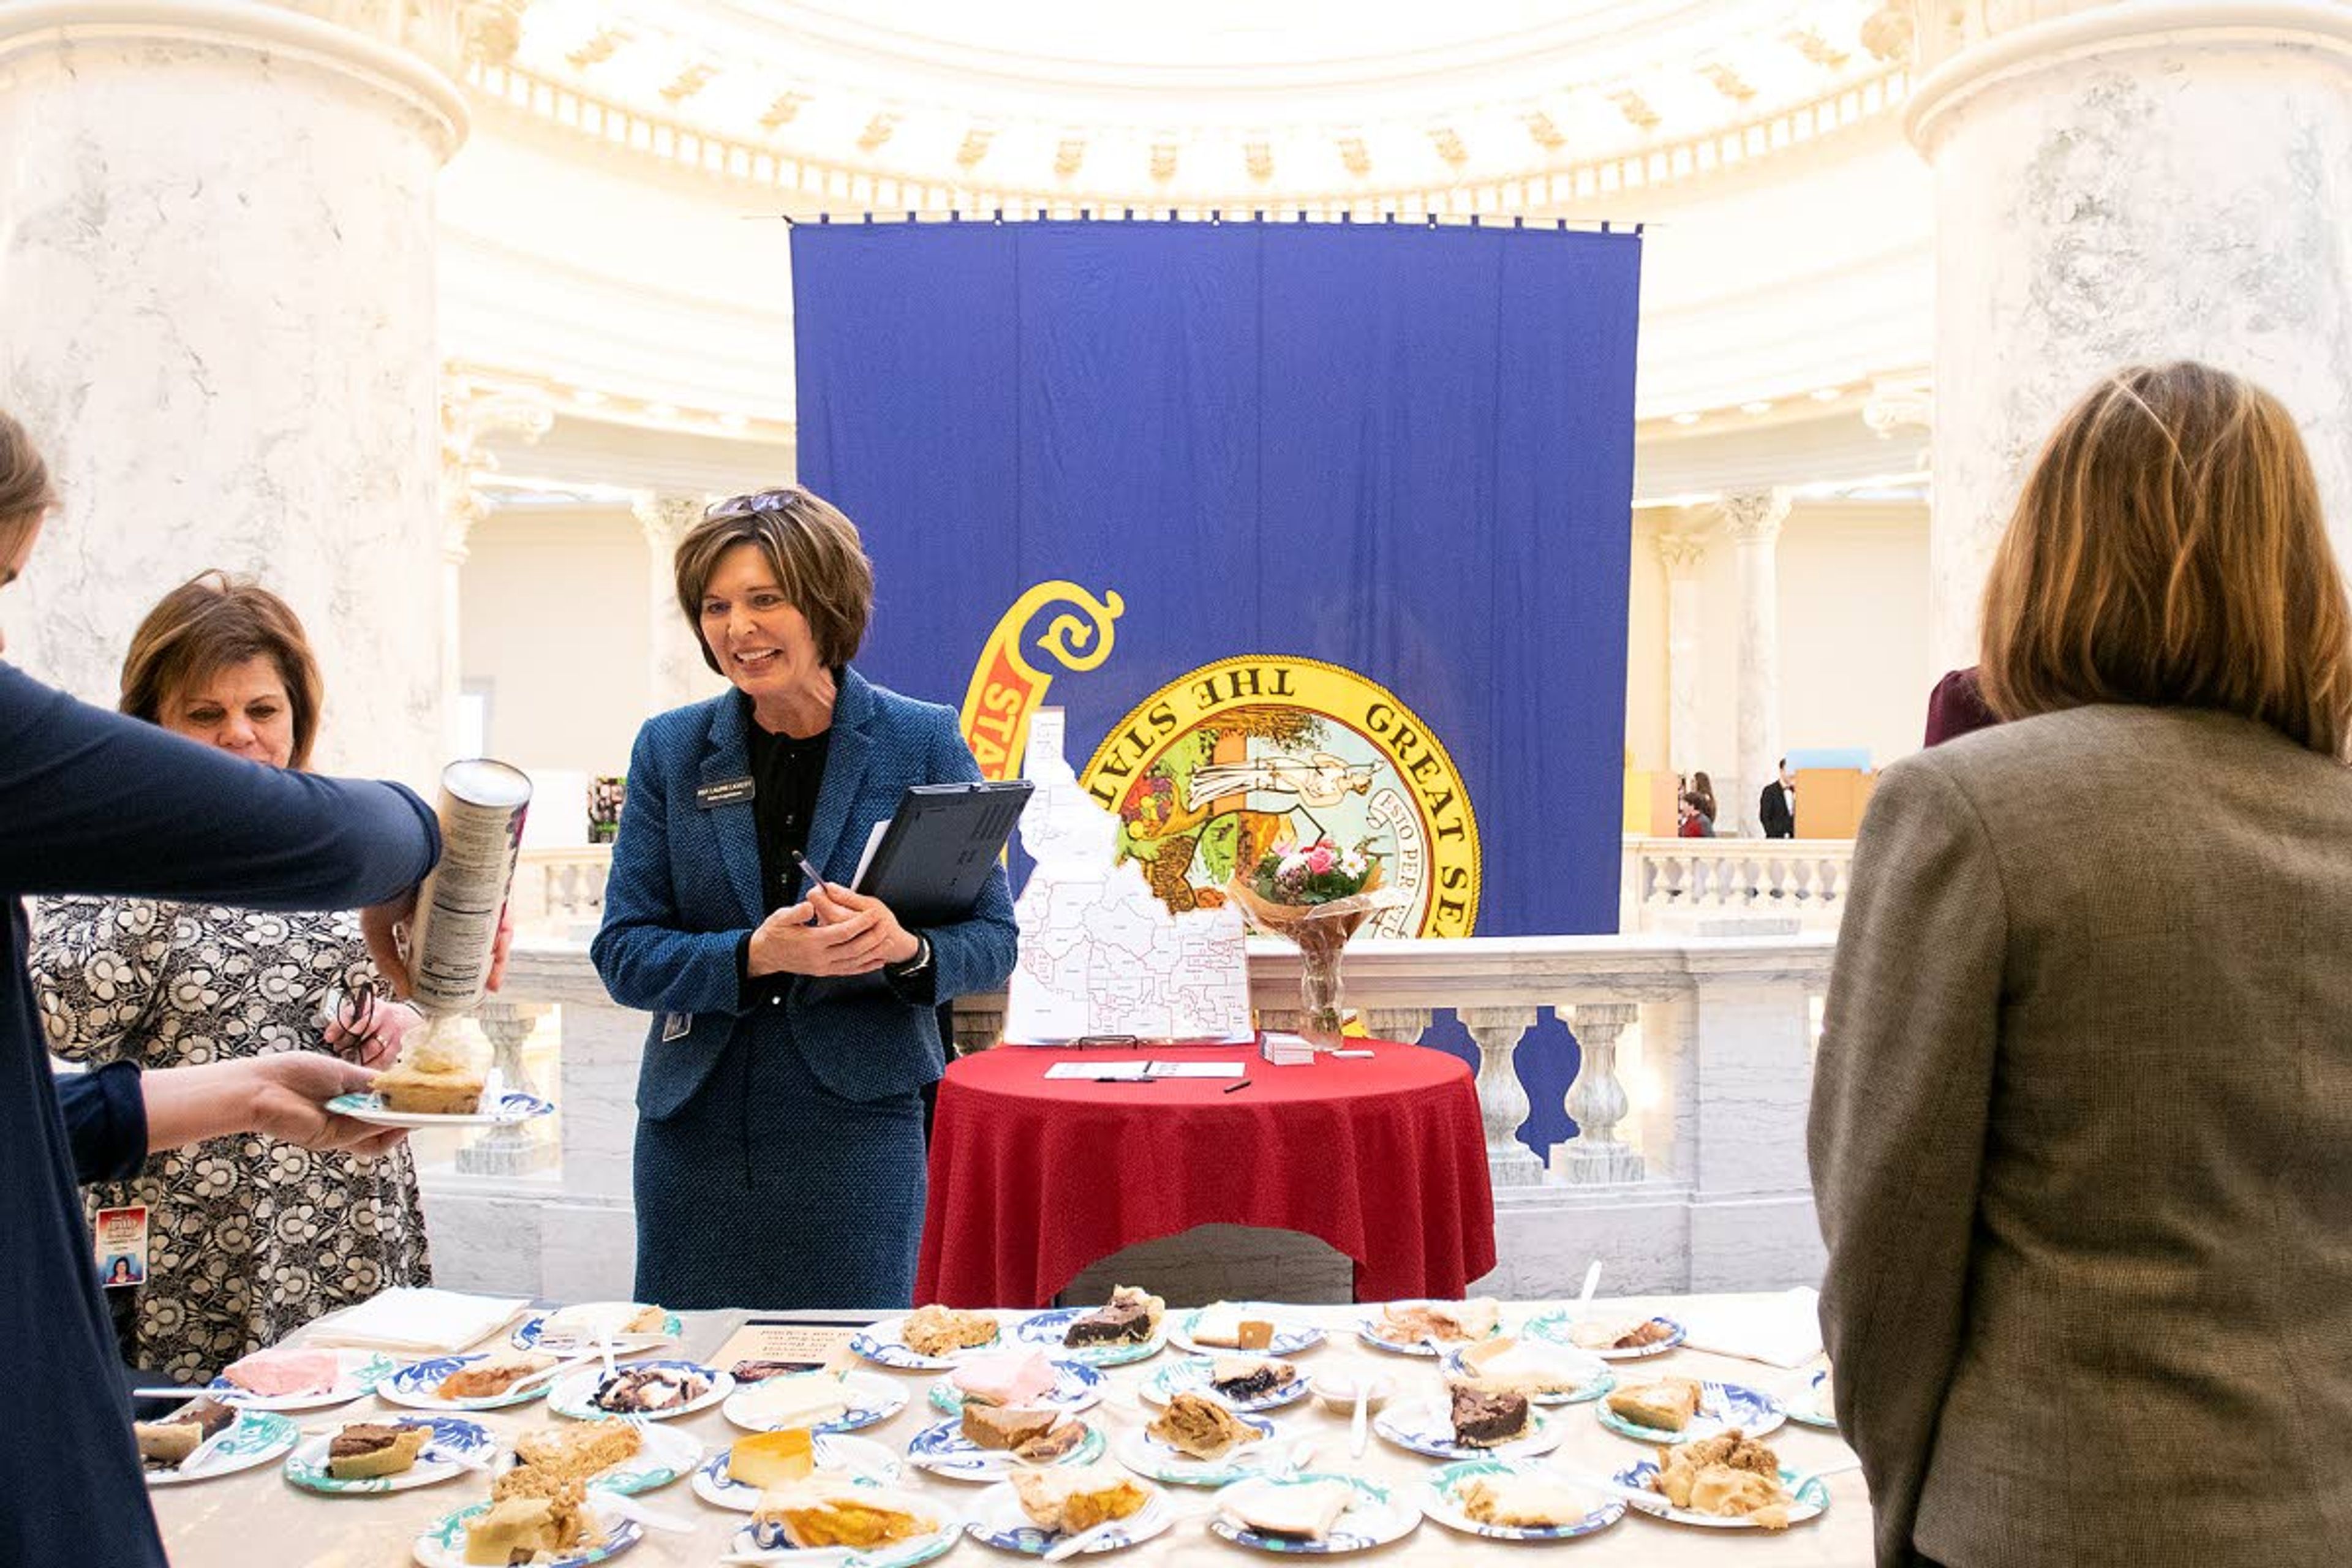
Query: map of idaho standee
column 1100, row 955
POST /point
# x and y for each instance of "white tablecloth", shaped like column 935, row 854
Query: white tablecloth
column 257, row 1519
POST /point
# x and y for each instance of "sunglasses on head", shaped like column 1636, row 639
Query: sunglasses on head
column 750, row 505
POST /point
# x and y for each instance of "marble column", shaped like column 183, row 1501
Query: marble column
column 679, row 674
column 217, row 264
column 1752, row 521
column 2119, row 183
column 1682, row 554
column 469, row 413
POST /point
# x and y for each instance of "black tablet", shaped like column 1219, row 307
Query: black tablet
column 942, row 843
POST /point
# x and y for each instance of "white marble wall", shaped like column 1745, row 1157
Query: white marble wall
column 2134, row 183
column 216, row 315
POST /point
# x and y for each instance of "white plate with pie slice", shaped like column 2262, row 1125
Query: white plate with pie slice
column 944, row 1450
column 858, row 1459
column 575, row 1395
column 417, row 1385
column 1376, row 1517
column 1076, row 1386
column 1441, row 1500
column 1050, row 1329
column 1291, row 1335
column 884, row 1345
column 767, row 1406
column 1156, row 1459
column 1809, row 1504
column 1377, row 1330
column 1191, row 1376
column 255, row 1438
column 998, row 1520
column 442, row 1544
column 663, row 1454
column 1658, row 1334
column 356, row 1374
column 453, row 1446
column 1427, row 1426
column 897, row 1555
column 1723, row 1407
column 504, row 1111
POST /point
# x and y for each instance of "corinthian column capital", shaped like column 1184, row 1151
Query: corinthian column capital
column 665, row 519
column 1754, row 517
column 1680, row 553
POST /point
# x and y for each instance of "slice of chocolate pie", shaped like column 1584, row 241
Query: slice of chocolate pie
column 1484, row 1417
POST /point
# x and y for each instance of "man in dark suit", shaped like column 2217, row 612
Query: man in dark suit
column 1776, row 807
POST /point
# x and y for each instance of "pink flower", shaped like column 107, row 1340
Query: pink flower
column 1320, row 859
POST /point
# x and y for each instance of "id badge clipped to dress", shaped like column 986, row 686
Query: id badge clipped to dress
column 121, row 1247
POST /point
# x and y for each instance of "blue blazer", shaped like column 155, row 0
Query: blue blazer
column 685, row 890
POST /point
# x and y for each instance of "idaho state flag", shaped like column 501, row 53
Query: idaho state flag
column 1311, row 528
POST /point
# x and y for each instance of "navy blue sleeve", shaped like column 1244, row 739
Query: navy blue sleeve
column 96, row 803
column 106, row 1121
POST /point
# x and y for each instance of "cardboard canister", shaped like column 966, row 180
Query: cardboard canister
column 455, row 927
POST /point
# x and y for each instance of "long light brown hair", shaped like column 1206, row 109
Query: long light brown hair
column 209, row 623
column 2169, row 551
column 24, row 488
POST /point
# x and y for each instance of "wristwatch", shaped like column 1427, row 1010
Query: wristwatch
column 917, row 964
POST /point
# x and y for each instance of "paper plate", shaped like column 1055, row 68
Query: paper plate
column 508, row 1110
column 997, row 1520
column 663, row 1454
column 884, row 1345
column 945, row 1451
column 1554, row 1328
column 1076, row 1386
column 453, row 1441
column 1438, row 1500
column 1377, row 1517
column 871, row 1400
column 357, row 1373
column 1810, row 1504
column 1190, row 1376
column 1158, row 1461
column 574, row 1394
column 1427, row 1426
column 1045, row 1330
column 857, row 1458
column 1812, row 1407
column 1459, row 1366
column 256, row 1437
column 1725, row 1406
column 1373, row 1330
column 413, row 1386
column 1291, row 1335
column 530, row 1334
column 443, row 1543
column 898, row 1554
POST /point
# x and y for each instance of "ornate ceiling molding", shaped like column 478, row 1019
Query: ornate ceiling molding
column 811, row 183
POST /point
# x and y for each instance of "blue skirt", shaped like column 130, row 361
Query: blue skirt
column 767, row 1191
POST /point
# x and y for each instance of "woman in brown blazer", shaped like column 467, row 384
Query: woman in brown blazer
column 2082, row 1121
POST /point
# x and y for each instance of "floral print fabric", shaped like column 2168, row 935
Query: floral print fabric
column 248, row 1238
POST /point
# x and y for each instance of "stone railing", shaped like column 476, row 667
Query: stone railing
column 1691, row 1072
column 560, row 893
column 1696, row 885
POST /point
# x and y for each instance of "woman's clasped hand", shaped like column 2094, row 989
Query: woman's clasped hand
column 831, row 930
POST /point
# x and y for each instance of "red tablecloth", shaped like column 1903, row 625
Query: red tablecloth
column 1031, row 1181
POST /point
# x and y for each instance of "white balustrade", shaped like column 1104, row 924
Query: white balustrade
column 1692, row 884
column 560, row 890
column 1687, row 1172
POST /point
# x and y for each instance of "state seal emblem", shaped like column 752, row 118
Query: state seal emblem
column 1214, row 768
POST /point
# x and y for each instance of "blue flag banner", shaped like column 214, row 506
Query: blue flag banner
column 1311, row 530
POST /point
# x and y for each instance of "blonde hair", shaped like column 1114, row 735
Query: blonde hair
column 208, row 623
column 814, row 551
column 26, row 491
column 2170, row 550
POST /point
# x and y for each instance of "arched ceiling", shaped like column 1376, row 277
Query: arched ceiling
column 1212, row 101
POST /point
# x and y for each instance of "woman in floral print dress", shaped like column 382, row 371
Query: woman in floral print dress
column 248, row 1238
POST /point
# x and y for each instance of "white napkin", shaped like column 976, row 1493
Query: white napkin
column 1779, row 1330
column 419, row 1321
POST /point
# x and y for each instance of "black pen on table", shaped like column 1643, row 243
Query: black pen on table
column 1236, row 1088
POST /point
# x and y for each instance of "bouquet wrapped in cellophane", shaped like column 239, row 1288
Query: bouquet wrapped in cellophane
column 1314, row 897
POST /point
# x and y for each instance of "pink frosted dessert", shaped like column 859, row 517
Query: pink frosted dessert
column 278, row 1373
column 1014, row 1378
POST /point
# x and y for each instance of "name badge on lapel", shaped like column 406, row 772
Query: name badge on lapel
column 726, row 792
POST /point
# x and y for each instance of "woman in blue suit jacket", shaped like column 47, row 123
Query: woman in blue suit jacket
column 780, row 1154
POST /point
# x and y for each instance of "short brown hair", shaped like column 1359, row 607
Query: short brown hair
column 206, row 625
column 814, row 551
column 24, row 488
column 2170, row 550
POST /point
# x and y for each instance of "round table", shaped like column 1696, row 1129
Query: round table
column 1034, row 1179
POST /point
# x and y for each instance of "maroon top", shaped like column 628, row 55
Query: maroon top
column 1955, row 708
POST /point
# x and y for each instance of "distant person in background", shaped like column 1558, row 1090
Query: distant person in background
column 1775, row 808
column 1957, row 707
column 1703, row 788
column 1691, row 820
